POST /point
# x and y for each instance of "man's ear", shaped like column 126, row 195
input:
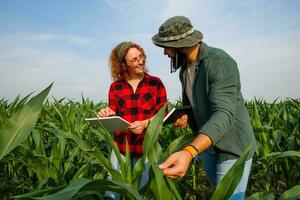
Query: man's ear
column 183, row 50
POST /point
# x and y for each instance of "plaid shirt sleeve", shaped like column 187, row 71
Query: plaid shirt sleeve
column 161, row 97
column 112, row 98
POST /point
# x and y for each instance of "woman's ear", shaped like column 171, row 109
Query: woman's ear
column 124, row 66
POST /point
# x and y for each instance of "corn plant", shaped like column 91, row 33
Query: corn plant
column 276, row 128
column 126, row 182
column 58, row 154
column 18, row 126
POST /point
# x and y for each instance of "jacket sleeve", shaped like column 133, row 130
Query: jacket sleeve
column 223, row 82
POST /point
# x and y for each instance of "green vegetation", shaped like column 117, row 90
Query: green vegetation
column 50, row 150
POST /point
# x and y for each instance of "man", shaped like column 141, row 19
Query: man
column 211, row 85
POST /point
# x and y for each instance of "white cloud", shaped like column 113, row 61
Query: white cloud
column 177, row 7
column 50, row 37
column 79, row 40
column 26, row 68
column 46, row 37
column 267, row 65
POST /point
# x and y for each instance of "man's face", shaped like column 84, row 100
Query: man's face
column 177, row 57
column 135, row 61
column 170, row 52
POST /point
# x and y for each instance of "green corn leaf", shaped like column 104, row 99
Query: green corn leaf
column 82, row 172
column 68, row 192
column 137, row 172
column 62, row 134
column 101, row 158
column 124, row 189
column 285, row 154
column 261, row 196
column 174, row 189
column 255, row 117
column 109, row 139
column 54, row 158
column 116, row 175
column 38, row 141
column 128, row 164
column 178, row 144
column 153, row 130
column 40, row 193
column 161, row 189
column 16, row 129
column 232, row 178
column 81, row 185
column 291, row 194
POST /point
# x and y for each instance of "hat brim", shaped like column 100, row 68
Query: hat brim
column 188, row 41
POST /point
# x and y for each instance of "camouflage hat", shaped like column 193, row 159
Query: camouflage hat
column 177, row 32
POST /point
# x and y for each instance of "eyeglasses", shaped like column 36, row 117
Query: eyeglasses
column 137, row 59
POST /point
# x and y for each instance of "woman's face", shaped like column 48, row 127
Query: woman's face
column 135, row 62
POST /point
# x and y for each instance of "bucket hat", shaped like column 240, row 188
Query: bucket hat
column 177, row 32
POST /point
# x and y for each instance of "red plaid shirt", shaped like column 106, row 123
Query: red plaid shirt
column 148, row 98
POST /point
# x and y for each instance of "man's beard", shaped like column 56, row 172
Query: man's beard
column 178, row 61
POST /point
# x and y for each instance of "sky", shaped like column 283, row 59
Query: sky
column 68, row 42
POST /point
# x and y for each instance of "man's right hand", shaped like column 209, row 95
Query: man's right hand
column 176, row 164
column 181, row 122
column 106, row 112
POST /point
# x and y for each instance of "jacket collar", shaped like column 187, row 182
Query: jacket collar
column 204, row 52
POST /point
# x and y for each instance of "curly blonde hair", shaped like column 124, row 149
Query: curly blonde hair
column 118, row 68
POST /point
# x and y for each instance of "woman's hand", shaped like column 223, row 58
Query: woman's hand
column 181, row 122
column 106, row 112
column 138, row 127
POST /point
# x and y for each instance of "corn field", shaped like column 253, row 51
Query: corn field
column 49, row 151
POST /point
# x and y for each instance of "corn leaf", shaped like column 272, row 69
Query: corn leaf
column 85, row 147
column 40, row 193
column 128, row 164
column 124, row 189
column 81, row 185
column 109, row 139
column 291, row 194
column 255, row 117
column 137, row 172
column 285, row 154
column 160, row 189
column 153, row 130
column 232, row 178
column 150, row 138
column 261, row 196
column 178, row 144
column 16, row 129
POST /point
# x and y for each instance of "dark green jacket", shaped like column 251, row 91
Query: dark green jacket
column 219, row 108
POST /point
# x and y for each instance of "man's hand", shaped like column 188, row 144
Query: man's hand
column 181, row 122
column 106, row 112
column 138, row 127
column 177, row 164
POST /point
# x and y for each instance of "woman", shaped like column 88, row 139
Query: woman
column 135, row 96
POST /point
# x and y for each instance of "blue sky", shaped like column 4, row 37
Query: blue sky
column 69, row 42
